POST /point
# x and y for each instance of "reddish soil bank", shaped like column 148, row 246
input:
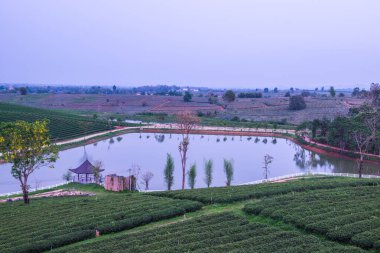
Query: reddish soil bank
column 330, row 153
column 279, row 135
column 214, row 132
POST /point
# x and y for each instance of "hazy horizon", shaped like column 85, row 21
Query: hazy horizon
column 326, row 88
column 202, row 43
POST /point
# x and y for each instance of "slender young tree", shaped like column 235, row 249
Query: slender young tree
column 28, row 147
column 186, row 122
column 96, row 171
column 67, row 176
column 364, row 132
column 267, row 160
column 208, row 172
column 229, row 171
column 146, row 177
column 192, row 174
column 168, row 172
column 332, row 91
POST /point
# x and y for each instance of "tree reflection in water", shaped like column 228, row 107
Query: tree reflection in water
column 159, row 138
column 307, row 160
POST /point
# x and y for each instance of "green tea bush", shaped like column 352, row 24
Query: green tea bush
column 53, row 222
column 61, row 125
column 223, row 232
column 238, row 193
column 345, row 214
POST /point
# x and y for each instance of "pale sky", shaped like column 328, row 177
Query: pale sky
column 214, row 43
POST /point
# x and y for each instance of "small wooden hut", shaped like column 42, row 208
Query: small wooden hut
column 119, row 183
column 85, row 173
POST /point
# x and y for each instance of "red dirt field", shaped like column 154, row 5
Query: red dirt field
column 257, row 109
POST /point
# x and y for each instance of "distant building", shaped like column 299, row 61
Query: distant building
column 119, row 183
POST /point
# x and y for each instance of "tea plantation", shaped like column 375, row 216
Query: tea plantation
column 305, row 215
column 350, row 215
column 222, row 232
column 61, row 125
column 53, row 222
column 239, row 193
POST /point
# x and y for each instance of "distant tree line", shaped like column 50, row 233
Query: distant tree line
column 360, row 131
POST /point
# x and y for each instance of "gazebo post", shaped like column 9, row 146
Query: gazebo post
column 86, row 178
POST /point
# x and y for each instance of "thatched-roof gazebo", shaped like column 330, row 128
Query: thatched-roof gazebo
column 85, row 172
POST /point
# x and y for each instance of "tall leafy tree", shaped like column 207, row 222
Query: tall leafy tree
column 208, row 172
column 192, row 174
column 332, row 91
column 168, row 172
column 229, row 171
column 339, row 132
column 28, row 147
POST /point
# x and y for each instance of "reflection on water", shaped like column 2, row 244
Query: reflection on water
column 148, row 153
column 159, row 137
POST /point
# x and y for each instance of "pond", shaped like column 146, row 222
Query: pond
column 148, row 152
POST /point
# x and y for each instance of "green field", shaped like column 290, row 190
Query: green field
column 224, row 232
column 350, row 215
column 53, row 222
column 62, row 125
column 239, row 193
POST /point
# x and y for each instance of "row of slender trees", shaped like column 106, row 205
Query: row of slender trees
column 192, row 172
column 208, row 171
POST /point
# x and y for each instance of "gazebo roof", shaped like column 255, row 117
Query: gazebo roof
column 85, row 168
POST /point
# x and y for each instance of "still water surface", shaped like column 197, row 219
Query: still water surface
column 148, row 151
